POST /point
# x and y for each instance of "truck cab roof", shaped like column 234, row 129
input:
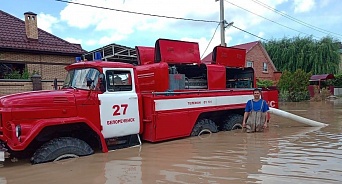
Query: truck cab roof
column 99, row 64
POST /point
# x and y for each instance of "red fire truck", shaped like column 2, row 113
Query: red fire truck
column 110, row 105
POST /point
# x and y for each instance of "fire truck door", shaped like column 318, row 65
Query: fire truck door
column 119, row 112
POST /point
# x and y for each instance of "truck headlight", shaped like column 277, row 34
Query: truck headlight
column 18, row 131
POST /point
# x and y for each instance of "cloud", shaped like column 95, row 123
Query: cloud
column 105, row 40
column 261, row 34
column 324, row 3
column 113, row 26
column 73, row 40
column 46, row 22
column 91, row 42
column 301, row 6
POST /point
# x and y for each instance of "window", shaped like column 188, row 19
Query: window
column 85, row 78
column 118, row 80
column 12, row 70
column 264, row 67
column 249, row 64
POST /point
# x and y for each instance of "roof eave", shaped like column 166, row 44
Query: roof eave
column 41, row 51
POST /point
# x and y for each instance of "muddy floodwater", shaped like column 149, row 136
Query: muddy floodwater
column 288, row 152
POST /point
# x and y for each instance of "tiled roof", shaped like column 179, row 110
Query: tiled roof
column 322, row 77
column 246, row 46
column 13, row 37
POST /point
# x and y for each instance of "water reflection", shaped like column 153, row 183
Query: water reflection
column 288, row 152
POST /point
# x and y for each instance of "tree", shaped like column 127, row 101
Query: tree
column 318, row 57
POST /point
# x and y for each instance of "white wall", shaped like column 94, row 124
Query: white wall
column 337, row 91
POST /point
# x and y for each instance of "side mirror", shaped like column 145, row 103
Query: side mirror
column 89, row 82
column 102, row 82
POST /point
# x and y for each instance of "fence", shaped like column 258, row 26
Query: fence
column 337, row 91
column 11, row 86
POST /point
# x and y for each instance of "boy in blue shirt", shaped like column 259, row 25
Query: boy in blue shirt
column 256, row 114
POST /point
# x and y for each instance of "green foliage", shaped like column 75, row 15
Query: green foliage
column 264, row 83
column 337, row 82
column 318, row 57
column 294, row 86
column 26, row 74
column 13, row 75
column 16, row 74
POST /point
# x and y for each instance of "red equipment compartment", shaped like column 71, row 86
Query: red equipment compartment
column 228, row 56
column 271, row 97
column 152, row 77
column 217, row 76
column 145, row 55
column 177, row 52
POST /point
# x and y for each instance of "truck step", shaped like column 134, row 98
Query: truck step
column 123, row 142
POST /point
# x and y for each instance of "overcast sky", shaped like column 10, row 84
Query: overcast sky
column 268, row 19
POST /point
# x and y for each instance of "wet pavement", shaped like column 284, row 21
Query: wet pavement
column 288, row 152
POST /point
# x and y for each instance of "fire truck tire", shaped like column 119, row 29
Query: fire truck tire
column 61, row 148
column 204, row 126
column 232, row 122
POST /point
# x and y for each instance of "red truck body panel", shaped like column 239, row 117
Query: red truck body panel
column 177, row 118
column 176, row 52
column 149, row 77
column 145, row 55
column 228, row 56
column 217, row 75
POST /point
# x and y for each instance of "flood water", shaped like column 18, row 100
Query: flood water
column 288, row 152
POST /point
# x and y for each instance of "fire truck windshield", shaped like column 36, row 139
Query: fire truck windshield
column 85, row 78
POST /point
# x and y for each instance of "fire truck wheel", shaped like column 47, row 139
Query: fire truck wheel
column 204, row 126
column 61, row 148
column 232, row 122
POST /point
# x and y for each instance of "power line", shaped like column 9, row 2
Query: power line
column 267, row 18
column 294, row 19
column 160, row 16
column 139, row 13
column 210, row 40
column 249, row 33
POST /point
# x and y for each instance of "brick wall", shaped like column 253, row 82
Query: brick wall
column 48, row 66
column 257, row 56
column 9, row 86
column 48, row 85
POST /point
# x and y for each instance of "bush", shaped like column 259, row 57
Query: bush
column 17, row 75
column 13, row 75
column 294, row 86
column 337, row 82
column 321, row 94
column 264, row 83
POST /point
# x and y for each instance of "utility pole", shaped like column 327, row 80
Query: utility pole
column 222, row 22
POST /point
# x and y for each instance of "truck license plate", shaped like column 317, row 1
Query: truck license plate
column 2, row 156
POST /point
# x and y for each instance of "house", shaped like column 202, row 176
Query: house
column 258, row 58
column 23, row 46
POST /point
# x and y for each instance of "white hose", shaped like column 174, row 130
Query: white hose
column 296, row 118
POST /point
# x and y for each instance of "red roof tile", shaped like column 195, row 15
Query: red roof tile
column 322, row 77
column 246, row 46
column 13, row 37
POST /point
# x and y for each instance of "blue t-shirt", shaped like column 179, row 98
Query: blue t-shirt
column 256, row 106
